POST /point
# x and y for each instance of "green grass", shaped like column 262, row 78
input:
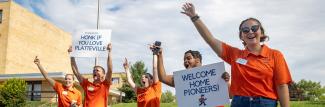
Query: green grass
column 135, row 104
column 40, row 104
column 306, row 104
column 292, row 104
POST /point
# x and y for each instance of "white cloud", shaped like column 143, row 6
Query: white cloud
column 295, row 28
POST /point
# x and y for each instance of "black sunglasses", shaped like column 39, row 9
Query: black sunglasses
column 247, row 29
column 95, row 70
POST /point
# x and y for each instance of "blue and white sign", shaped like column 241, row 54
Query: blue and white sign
column 201, row 86
column 91, row 43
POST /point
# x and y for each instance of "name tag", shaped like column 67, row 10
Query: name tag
column 73, row 101
column 241, row 61
column 90, row 88
column 64, row 92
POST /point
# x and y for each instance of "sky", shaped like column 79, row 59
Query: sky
column 295, row 27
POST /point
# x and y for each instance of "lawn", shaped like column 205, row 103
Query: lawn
column 135, row 104
column 292, row 104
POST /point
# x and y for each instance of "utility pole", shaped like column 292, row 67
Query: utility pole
column 98, row 14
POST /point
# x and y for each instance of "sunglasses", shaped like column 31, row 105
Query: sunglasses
column 95, row 70
column 247, row 29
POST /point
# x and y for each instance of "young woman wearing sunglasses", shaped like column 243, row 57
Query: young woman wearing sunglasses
column 260, row 75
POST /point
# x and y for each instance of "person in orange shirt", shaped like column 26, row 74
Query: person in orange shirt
column 149, row 95
column 67, row 94
column 96, row 92
column 260, row 75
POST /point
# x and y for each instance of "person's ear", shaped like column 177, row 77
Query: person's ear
column 197, row 60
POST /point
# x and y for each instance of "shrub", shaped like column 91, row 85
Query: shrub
column 167, row 97
column 13, row 93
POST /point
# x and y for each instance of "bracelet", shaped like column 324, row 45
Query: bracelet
column 195, row 18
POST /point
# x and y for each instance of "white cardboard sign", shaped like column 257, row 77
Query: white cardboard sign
column 201, row 86
column 91, row 43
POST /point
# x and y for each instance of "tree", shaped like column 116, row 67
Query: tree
column 310, row 89
column 13, row 93
column 130, row 95
column 137, row 70
column 167, row 97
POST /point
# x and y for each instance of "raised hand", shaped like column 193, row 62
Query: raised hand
column 154, row 48
column 189, row 10
column 36, row 60
column 70, row 49
column 126, row 64
column 109, row 47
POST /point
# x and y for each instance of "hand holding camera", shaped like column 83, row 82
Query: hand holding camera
column 155, row 48
column 74, row 103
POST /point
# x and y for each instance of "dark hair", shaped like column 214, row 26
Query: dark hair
column 100, row 68
column 263, row 38
column 148, row 75
column 195, row 54
column 69, row 74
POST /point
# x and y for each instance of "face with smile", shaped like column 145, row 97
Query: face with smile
column 190, row 61
column 251, row 32
column 68, row 80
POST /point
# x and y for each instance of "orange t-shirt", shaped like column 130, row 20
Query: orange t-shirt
column 150, row 96
column 256, row 75
column 66, row 96
column 95, row 94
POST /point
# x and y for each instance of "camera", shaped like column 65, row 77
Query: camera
column 157, row 43
column 156, row 48
column 74, row 105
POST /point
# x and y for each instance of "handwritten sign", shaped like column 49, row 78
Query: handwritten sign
column 91, row 43
column 201, row 86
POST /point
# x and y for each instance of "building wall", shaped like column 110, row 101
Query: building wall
column 119, row 75
column 4, row 6
column 49, row 94
column 28, row 36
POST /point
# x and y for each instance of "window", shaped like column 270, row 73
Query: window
column 34, row 90
column 115, row 80
column 0, row 16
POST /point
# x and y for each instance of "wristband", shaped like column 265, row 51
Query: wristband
column 195, row 18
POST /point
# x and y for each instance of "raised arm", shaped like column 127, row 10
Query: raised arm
column 108, row 77
column 167, row 79
column 155, row 69
column 153, row 48
column 214, row 43
column 75, row 68
column 129, row 75
column 44, row 73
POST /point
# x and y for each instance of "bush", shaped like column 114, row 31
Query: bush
column 13, row 93
column 130, row 95
column 311, row 90
column 167, row 97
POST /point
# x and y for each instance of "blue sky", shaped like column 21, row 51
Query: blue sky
column 296, row 28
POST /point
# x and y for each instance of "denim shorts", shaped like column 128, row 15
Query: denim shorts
column 243, row 101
